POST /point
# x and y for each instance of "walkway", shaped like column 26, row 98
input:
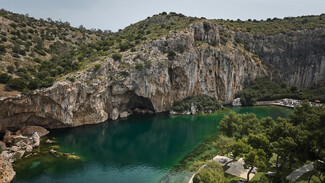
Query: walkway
column 300, row 171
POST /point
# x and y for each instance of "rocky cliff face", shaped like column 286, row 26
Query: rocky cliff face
column 297, row 58
column 146, row 79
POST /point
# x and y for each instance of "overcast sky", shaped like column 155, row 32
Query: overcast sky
column 117, row 14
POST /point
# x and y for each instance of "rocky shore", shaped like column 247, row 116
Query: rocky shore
column 286, row 102
column 16, row 145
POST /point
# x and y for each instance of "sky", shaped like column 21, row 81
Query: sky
column 117, row 14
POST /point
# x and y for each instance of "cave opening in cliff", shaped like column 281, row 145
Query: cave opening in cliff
column 139, row 102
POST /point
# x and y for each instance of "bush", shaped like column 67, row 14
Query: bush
column 72, row 79
column 10, row 69
column 180, row 48
column 34, row 84
column 171, row 55
column 139, row 66
column 97, row 67
column 17, row 84
column 5, row 78
column 265, row 89
column 147, row 63
column 2, row 49
column 117, row 56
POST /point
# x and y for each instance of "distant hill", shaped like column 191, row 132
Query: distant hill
column 34, row 53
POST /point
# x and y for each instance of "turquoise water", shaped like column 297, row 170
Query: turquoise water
column 140, row 149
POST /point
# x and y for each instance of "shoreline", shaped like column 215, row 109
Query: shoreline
column 286, row 102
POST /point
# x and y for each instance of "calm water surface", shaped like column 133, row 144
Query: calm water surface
column 140, row 149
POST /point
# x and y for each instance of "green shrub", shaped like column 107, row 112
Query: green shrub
column 203, row 103
column 147, row 63
column 10, row 69
column 97, row 67
column 34, row 84
column 180, row 48
column 17, row 84
column 265, row 89
column 117, row 56
column 2, row 49
column 139, row 66
column 5, row 78
column 171, row 55
column 72, row 79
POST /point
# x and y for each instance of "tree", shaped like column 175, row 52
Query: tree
column 171, row 55
column 5, row 78
column 211, row 172
column 17, row 84
column 260, row 141
column 228, row 124
column 255, row 158
column 117, row 57
column 248, row 124
column 224, row 145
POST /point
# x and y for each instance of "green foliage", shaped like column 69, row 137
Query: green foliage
column 97, row 67
column 139, row 66
column 275, row 26
column 180, row 48
column 263, row 89
column 203, row 103
column 171, row 55
column 2, row 49
column 117, row 56
column 212, row 172
column 72, row 79
column 147, row 63
column 295, row 140
column 243, row 124
column 17, row 84
column 224, row 145
column 4, row 78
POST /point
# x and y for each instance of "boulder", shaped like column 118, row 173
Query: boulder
column 3, row 146
column 193, row 108
column 236, row 102
column 30, row 130
column 7, row 172
column 19, row 138
column 125, row 114
column 29, row 148
column 115, row 114
column 21, row 144
column 17, row 155
column 14, row 148
column 49, row 141
column 35, row 139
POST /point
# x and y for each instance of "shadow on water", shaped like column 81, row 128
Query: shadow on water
column 137, row 149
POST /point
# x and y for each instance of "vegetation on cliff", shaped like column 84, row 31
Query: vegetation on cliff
column 41, row 51
column 274, row 25
column 203, row 103
column 263, row 89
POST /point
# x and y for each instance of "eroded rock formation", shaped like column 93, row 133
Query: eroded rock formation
column 203, row 65
column 298, row 58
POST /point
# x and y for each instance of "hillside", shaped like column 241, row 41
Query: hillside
column 149, row 66
column 37, row 52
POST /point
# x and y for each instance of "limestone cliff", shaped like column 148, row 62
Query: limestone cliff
column 298, row 57
column 145, row 79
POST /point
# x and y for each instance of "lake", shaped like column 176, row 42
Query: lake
column 139, row 149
